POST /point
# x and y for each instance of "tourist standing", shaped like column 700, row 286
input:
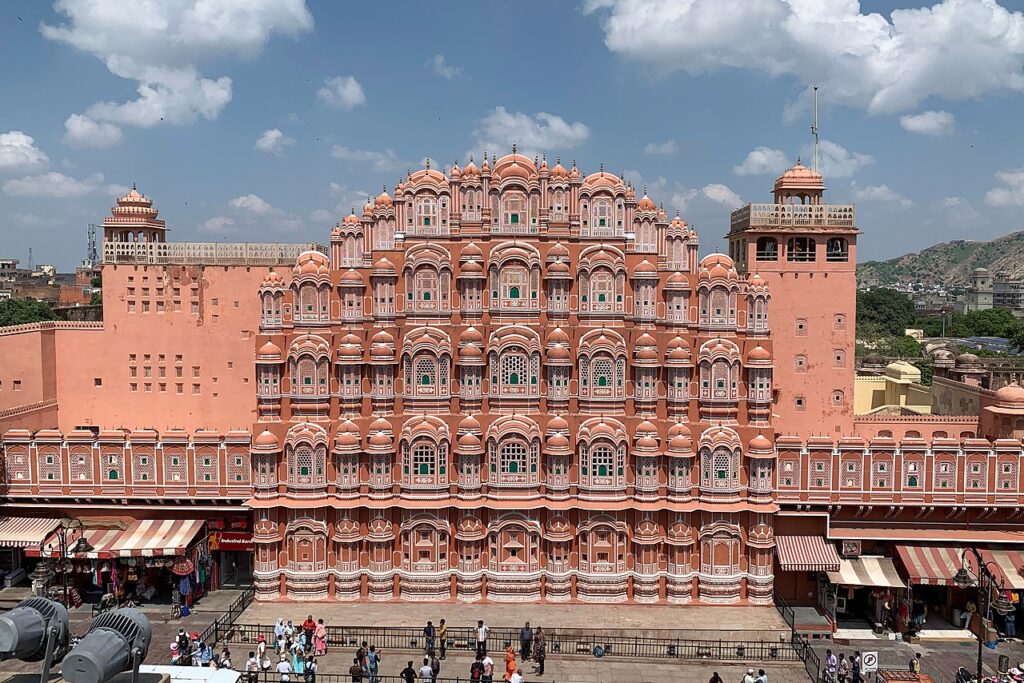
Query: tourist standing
column 308, row 626
column 435, row 667
column 915, row 664
column 428, row 636
column 831, row 665
column 425, row 671
column 284, row 669
column 311, row 667
column 356, row 671
column 279, row 633
column 525, row 641
column 855, row 668
column 749, row 676
column 252, row 668
column 442, row 634
column 183, row 642
column 844, row 668
column 361, row 654
column 408, row 673
column 488, row 663
column 476, row 669
column 762, row 677
column 373, row 663
column 540, row 650
column 517, row 677
column 715, row 678
column 320, row 639
column 175, row 655
column 510, row 662
column 481, row 637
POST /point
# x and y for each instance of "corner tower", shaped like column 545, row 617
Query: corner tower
column 805, row 250
column 133, row 219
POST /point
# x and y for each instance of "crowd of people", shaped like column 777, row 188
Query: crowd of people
column 293, row 652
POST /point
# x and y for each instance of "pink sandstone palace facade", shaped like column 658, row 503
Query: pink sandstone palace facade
column 510, row 382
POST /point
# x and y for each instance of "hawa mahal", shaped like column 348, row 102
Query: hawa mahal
column 511, row 382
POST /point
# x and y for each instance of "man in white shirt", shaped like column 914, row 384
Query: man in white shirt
column 749, row 676
column 426, row 673
column 481, row 638
column 284, row 668
column 517, row 677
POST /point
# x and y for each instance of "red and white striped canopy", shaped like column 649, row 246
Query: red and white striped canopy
column 156, row 537
column 1008, row 566
column 101, row 541
column 806, row 554
column 930, row 564
column 21, row 532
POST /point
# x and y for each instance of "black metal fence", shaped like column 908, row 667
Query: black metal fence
column 222, row 624
column 560, row 642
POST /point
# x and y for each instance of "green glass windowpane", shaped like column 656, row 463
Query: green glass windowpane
column 304, row 471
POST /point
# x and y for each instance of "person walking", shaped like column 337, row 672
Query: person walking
column 844, row 668
column 762, row 677
column 442, row 634
column 517, row 677
column 373, row 664
column 182, row 641
column 320, row 638
column 278, row 633
column 540, row 650
column 425, row 671
column 510, row 662
column 481, row 637
column 408, row 673
column 915, row 664
column 428, row 636
column 525, row 642
column 749, row 676
column 310, row 672
column 855, row 668
column 715, row 678
column 252, row 668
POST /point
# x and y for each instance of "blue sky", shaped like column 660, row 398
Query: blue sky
column 266, row 120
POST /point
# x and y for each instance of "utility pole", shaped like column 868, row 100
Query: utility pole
column 814, row 130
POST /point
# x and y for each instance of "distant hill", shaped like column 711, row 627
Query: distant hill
column 949, row 263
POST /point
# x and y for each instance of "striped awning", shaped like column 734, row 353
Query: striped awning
column 930, row 565
column 877, row 572
column 101, row 540
column 157, row 537
column 1007, row 565
column 22, row 532
column 806, row 554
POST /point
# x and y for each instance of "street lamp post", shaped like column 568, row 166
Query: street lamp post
column 985, row 582
column 65, row 552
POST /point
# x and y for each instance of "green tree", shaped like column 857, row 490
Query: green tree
column 992, row 322
column 884, row 312
column 21, row 311
column 899, row 346
column 96, row 298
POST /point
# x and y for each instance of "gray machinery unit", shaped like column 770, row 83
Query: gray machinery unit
column 117, row 641
column 36, row 630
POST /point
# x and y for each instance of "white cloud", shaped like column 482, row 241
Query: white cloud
column 18, row 152
column 867, row 61
column 723, row 195
column 159, row 45
column 951, row 202
column 378, row 161
column 253, row 204
column 82, row 131
column 321, row 216
column 532, row 134
column 835, row 161
column 443, row 69
column 273, row 141
column 218, row 224
column 343, row 92
column 879, row 194
column 1013, row 192
column 928, row 123
column 682, row 197
column 667, row 148
column 761, row 160
column 59, row 186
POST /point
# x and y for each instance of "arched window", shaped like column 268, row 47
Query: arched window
column 514, row 210
column 426, row 212
column 767, row 249
column 426, row 284
column 800, row 249
column 513, row 457
column 513, row 368
column 602, row 212
column 837, row 250
column 424, row 459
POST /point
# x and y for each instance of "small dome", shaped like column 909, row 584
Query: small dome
column 645, row 204
column 645, row 266
column 383, row 267
column 352, row 277
column 646, row 443
column 558, row 423
column 558, row 171
column 383, row 337
column 346, row 440
column 350, row 351
column 469, row 441
column 269, row 349
column 646, row 353
column 966, row 360
column 266, row 441
column 760, row 444
column 646, row 427
column 469, row 424
column 383, row 199
column 380, row 425
column 759, row 354
column 799, row 177
column 557, row 441
column 1011, row 394
column 874, row 358
column 470, row 351
column 558, row 250
column 472, row 266
column 471, row 251
column 646, row 340
column 351, row 219
column 471, row 335
column 558, row 336
column 379, row 440
column 558, row 352
column 559, row 267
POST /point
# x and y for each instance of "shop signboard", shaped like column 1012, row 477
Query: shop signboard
column 230, row 541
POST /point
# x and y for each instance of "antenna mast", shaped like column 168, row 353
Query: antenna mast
column 814, row 129
column 91, row 255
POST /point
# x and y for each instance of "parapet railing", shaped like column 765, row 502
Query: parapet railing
column 28, row 408
column 794, row 216
column 205, row 253
column 560, row 642
column 52, row 325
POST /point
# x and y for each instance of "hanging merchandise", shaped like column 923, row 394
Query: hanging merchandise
column 113, row 577
column 182, row 567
